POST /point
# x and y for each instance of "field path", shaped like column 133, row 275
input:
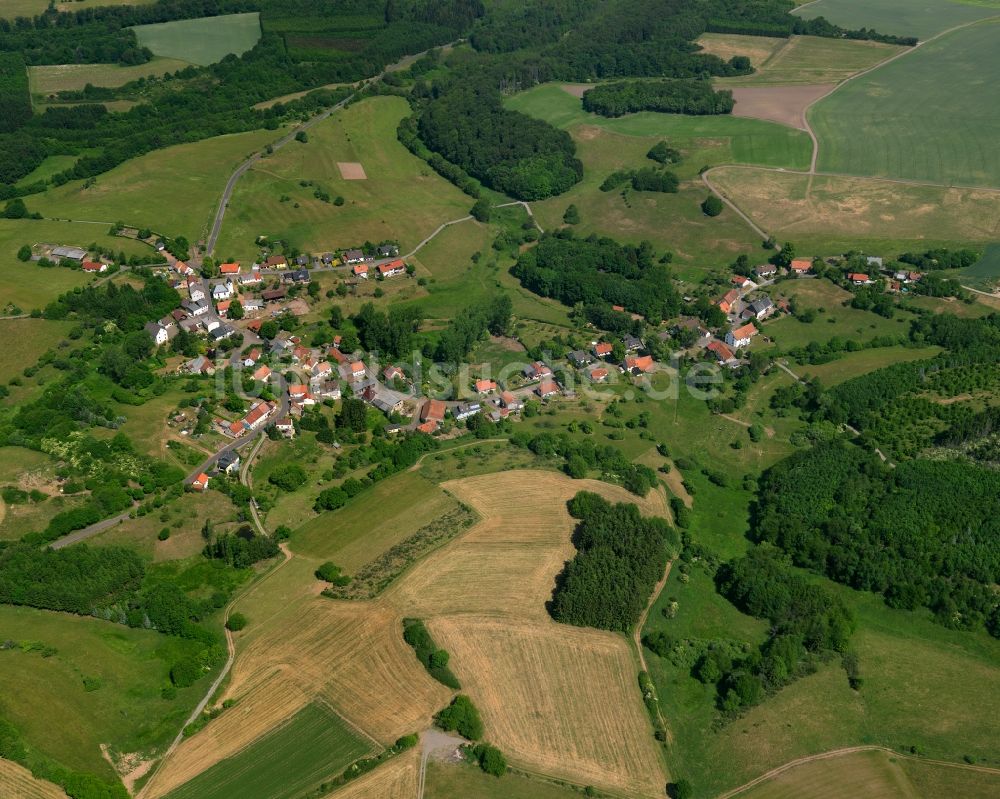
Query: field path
column 848, row 751
column 437, row 744
column 637, row 639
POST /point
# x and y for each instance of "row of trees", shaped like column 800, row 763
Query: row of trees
column 599, row 271
column 667, row 96
column 620, row 557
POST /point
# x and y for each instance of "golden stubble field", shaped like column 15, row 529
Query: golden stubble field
column 16, row 782
column 558, row 700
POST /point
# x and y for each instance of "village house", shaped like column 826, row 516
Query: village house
column 353, row 257
column 761, row 308
column 388, row 251
column 392, row 268
column 157, row 332
column 361, row 271
column 191, row 326
column 183, row 269
column 276, row 262
column 632, row 344
column 230, row 268
column 262, row 372
column 602, row 349
column 579, row 358
column 384, row 399
column 728, row 300
column 252, row 356
column 485, row 386
column 354, row 371
column 250, row 279
column 741, row 282
column 195, row 291
column 322, row 370
column 639, row 365
column 94, row 266
column 210, row 323
column 740, row 336
column 200, row 483
column 859, row 279
column 195, row 307
column 510, row 402
column 537, row 371
column 285, row 427
column 547, row 388
column 228, row 462
column 599, row 375
column 273, row 295
column 222, row 291
column 429, row 427
column 336, row 355
column 391, row 373
column 297, row 391
column 252, row 305
column 199, row 366
column 221, row 332
column 432, row 411
column 465, row 409
column 693, row 324
column 722, row 353
column 801, row 266
column 766, row 271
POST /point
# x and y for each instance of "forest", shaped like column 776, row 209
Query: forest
column 620, row 557
column 923, row 534
column 694, row 97
column 599, row 271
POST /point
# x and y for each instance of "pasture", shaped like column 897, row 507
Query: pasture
column 313, row 746
column 461, row 781
column 45, row 697
column 16, row 782
column 47, row 80
column 985, row 273
column 24, row 342
column 173, row 191
column 854, row 364
column 402, row 198
column 931, row 779
column 921, row 18
column 941, row 129
column 836, row 214
column 52, row 165
column 872, row 774
column 201, row 41
column 798, row 59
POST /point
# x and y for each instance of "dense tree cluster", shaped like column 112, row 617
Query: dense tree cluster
column 620, row 557
column 599, row 271
column 491, row 316
column 924, row 534
column 129, row 308
column 941, row 258
column 15, row 99
column 435, row 660
column 461, row 716
column 243, row 548
column 389, row 334
column 667, row 96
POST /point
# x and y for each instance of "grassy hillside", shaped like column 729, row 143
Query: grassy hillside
column 201, row 41
column 73, row 77
column 941, row 129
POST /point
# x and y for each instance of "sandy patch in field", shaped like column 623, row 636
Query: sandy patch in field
column 16, row 782
column 351, row 170
column 782, row 104
column 576, row 89
column 396, row 779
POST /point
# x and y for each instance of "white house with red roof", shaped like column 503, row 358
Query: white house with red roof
column 232, row 268
column 740, row 336
column 392, row 268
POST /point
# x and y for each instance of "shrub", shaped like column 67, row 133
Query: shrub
column 712, row 206
column 186, row 671
column 462, row 717
column 236, row 622
column 164, row 534
column 491, row 759
column 433, row 659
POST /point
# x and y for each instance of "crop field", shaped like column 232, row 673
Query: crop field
column 934, row 780
column 73, row 77
column 139, row 191
column 29, row 8
column 401, row 199
column 838, row 214
column 388, row 513
column 985, row 273
column 312, row 746
column 922, row 18
column 798, row 59
column 201, row 41
column 16, row 782
column 461, row 781
column 872, row 774
column 713, row 139
column 46, row 700
column 350, row 655
column 395, row 779
column 941, row 128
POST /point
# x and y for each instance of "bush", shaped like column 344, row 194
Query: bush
column 330, row 572
column 164, row 534
column 236, row 622
column 572, row 215
column 462, row 717
column 433, row 659
column 24, row 254
column 186, row 671
column 712, row 206
column 491, row 759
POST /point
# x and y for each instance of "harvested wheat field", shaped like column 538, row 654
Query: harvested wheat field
column 352, row 655
column 785, row 105
column 351, row 170
column 396, row 779
column 16, row 782
column 523, row 541
column 556, row 699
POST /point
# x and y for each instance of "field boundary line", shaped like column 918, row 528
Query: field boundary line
column 849, row 750
column 637, row 640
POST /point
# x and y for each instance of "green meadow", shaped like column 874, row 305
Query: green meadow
column 921, row 18
column 922, row 117
column 313, row 746
column 201, row 41
column 73, row 77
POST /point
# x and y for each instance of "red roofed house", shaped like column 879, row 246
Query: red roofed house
column 392, row 373
column 859, row 278
column 336, row 355
column 741, row 282
column 726, row 303
column 252, row 357
column 258, row 413
column 236, row 428
column 200, row 483
column 361, row 270
column 223, row 308
column 230, row 268
column 182, row 268
column 537, row 371
column 254, row 325
column 354, row 371
column 433, row 410
column 801, row 266
column 262, row 373
column 428, row 427
column 599, row 375
column 509, row 401
column 485, row 386
column 720, row 350
column 547, row 389
column 636, row 365
column 602, row 349
column 740, row 336
column 94, row 266
column 297, row 391
column 392, row 268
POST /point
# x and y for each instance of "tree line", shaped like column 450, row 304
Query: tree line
column 695, row 97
